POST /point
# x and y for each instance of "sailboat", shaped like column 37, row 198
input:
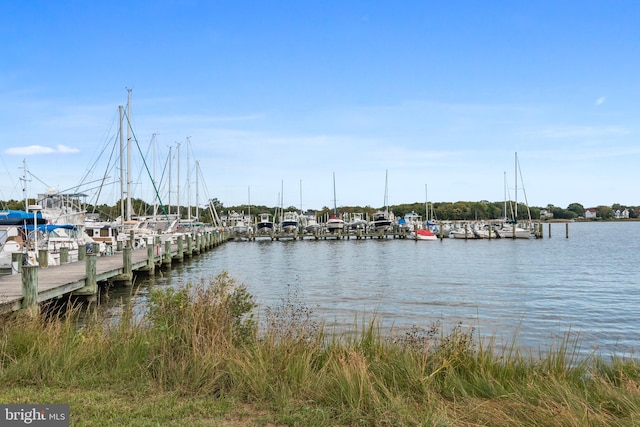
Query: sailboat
column 513, row 230
column 335, row 223
column 425, row 233
column 381, row 221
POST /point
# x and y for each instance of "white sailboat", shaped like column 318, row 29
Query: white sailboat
column 381, row 221
column 335, row 224
column 512, row 230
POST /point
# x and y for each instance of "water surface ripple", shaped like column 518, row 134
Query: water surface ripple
column 535, row 290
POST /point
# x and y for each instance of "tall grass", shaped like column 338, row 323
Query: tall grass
column 203, row 342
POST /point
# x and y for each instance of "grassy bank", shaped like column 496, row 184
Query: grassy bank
column 197, row 358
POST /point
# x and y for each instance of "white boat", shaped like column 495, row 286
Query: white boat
column 411, row 221
column 466, row 231
column 381, row 221
column 240, row 229
column 239, row 225
column 309, row 223
column 12, row 240
column 358, row 222
column 264, row 225
column 513, row 230
column 289, row 223
column 104, row 232
column 335, row 224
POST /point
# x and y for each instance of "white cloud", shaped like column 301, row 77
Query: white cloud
column 600, row 100
column 32, row 150
column 64, row 149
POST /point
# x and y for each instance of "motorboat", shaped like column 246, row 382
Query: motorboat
column 264, row 224
column 423, row 234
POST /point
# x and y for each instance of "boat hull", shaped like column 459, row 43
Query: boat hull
column 424, row 235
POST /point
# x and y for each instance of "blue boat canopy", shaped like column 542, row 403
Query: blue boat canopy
column 50, row 227
column 17, row 217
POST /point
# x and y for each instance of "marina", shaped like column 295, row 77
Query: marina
column 467, row 230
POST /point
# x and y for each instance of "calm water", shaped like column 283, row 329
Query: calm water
column 534, row 290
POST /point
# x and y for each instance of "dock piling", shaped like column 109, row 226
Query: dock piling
column 30, row 289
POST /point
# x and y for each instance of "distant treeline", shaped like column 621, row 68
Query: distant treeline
column 440, row 211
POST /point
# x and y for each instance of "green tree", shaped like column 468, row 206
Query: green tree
column 604, row 212
column 576, row 208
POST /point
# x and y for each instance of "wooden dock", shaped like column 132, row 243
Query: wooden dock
column 35, row 285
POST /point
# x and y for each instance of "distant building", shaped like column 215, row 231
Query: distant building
column 544, row 213
column 590, row 213
column 621, row 214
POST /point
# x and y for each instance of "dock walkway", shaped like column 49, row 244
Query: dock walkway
column 81, row 277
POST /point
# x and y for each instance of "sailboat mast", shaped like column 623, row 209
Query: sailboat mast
column 129, row 209
column 178, row 185
column 504, row 181
column 122, row 211
column 188, row 179
column 197, row 192
column 24, row 185
column 169, row 180
column 515, row 219
column 426, row 205
column 154, row 143
column 386, row 191
column 335, row 202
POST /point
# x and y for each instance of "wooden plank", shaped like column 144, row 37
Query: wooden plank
column 58, row 280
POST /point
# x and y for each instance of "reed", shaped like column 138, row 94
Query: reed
column 197, row 356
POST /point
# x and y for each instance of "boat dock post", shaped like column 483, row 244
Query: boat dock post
column 64, row 255
column 30, row 289
column 90, row 289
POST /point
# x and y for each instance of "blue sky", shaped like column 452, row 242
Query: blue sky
column 273, row 98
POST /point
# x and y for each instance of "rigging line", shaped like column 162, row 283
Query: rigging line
column 212, row 208
column 510, row 204
column 95, row 163
column 15, row 188
column 523, row 190
column 146, row 155
column 104, row 177
column 107, row 139
column 144, row 161
column 38, row 179
column 160, row 182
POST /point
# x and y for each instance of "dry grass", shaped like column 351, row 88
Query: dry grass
column 197, row 358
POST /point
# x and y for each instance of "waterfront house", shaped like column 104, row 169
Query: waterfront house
column 621, row 214
column 590, row 213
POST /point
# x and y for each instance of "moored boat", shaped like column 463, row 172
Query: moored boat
column 358, row 222
column 423, row 234
column 289, row 222
column 335, row 223
column 264, row 225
